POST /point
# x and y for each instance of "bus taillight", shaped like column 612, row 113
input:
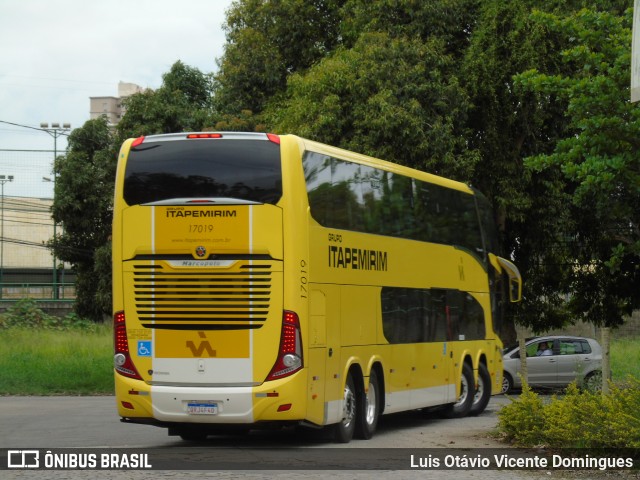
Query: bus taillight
column 290, row 353
column 121, row 358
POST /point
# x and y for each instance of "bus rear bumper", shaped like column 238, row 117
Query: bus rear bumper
column 203, row 405
column 275, row 401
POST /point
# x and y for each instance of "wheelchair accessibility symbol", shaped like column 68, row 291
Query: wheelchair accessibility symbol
column 144, row 348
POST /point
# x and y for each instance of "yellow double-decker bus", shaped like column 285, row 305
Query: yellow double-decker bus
column 265, row 279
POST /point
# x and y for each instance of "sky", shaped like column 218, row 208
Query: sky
column 54, row 55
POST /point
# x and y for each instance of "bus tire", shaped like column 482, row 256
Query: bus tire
column 483, row 391
column 343, row 430
column 462, row 406
column 369, row 410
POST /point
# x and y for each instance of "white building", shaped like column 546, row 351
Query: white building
column 27, row 226
column 26, row 264
column 111, row 107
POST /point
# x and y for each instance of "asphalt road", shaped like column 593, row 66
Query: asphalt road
column 91, row 423
column 61, row 422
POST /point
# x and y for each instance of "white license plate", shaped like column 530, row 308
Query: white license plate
column 202, row 408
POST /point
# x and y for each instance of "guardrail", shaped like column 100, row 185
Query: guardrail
column 38, row 291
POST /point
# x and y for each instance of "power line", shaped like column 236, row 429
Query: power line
column 58, row 131
column 23, row 150
column 24, row 243
column 22, row 222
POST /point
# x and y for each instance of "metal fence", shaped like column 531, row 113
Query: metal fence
column 26, row 226
column 38, row 291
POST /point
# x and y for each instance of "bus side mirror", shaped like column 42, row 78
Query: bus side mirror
column 502, row 265
column 515, row 290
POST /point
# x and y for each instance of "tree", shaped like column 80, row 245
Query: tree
column 267, row 42
column 598, row 161
column 414, row 117
column 599, row 165
column 451, row 21
column 82, row 206
column 182, row 103
column 507, row 125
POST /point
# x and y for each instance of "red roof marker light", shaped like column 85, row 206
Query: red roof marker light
column 204, row 135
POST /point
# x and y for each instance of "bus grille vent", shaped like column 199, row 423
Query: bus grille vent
column 211, row 300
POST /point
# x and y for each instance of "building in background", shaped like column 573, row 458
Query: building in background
column 27, row 226
column 26, row 267
column 111, row 107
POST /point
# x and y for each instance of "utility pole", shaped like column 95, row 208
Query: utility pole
column 3, row 179
column 55, row 131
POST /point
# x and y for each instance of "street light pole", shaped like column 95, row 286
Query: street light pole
column 55, row 131
column 3, row 179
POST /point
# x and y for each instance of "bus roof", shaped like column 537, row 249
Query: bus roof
column 331, row 151
column 382, row 164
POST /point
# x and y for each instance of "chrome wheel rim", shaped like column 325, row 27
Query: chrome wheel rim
column 479, row 391
column 349, row 407
column 372, row 404
column 505, row 385
column 464, row 391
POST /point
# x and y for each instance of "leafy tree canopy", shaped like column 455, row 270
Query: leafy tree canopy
column 414, row 116
column 597, row 158
column 82, row 206
column 451, row 21
column 266, row 42
column 182, row 103
column 506, row 125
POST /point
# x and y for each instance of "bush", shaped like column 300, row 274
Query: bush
column 25, row 313
column 522, row 420
column 579, row 419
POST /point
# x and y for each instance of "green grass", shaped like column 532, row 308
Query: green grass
column 625, row 359
column 79, row 361
column 50, row 362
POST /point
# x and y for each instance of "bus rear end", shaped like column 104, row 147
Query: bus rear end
column 201, row 335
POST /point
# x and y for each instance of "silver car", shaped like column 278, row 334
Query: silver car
column 554, row 361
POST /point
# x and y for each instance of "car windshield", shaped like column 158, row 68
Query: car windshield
column 508, row 348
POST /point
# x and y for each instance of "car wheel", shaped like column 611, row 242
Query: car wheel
column 483, row 391
column 593, row 382
column 507, row 383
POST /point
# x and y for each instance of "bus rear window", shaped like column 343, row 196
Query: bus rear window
column 178, row 169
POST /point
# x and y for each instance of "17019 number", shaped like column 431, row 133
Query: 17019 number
column 200, row 228
column 303, row 279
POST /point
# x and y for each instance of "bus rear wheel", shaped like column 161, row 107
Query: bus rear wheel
column 343, row 431
column 483, row 391
column 369, row 411
column 467, row 391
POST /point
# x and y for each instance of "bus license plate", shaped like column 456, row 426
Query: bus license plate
column 201, row 408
